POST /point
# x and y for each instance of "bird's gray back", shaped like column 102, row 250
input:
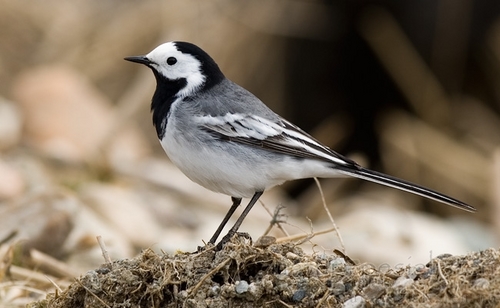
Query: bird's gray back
column 228, row 97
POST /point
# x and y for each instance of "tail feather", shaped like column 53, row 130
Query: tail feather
column 394, row 182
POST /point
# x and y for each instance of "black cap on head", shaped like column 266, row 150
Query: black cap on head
column 208, row 66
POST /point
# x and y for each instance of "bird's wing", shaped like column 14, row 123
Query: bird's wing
column 285, row 138
column 282, row 136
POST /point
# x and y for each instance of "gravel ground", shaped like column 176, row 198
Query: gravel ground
column 281, row 275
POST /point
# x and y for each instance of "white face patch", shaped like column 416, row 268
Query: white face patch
column 187, row 67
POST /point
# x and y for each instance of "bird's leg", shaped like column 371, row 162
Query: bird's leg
column 236, row 203
column 238, row 222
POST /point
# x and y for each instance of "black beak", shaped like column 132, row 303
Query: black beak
column 139, row 59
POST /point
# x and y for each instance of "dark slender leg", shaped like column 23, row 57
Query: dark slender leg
column 236, row 203
column 238, row 222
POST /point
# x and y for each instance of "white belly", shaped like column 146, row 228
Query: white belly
column 214, row 169
column 224, row 171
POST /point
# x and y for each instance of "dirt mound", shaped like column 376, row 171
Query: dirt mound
column 280, row 275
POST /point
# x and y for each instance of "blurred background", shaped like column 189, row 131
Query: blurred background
column 407, row 88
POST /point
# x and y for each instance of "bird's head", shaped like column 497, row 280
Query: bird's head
column 184, row 62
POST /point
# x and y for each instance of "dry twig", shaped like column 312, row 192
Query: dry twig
column 53, row 265
column 105, row 254
column 441, row 271
column 329, row 214
column 302, row 236
column 275, row 219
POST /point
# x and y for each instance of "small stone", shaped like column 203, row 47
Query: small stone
column 308, row 269
column 481, row 283
column 265, row 241
column 298, row 295
column 374, row 290
column 256, row 290
column 214, row 291
column 267, row 282
column 338, row 288
column 403, row 282
column 355, row 302
column 337, row 262
column 183, row 294
column 241, row 286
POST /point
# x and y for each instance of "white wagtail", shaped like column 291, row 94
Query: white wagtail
column 224, row 138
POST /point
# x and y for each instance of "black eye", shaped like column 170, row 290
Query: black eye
column 171, row 61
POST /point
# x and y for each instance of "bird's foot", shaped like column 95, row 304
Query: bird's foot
column 203, row 248
column 228, row 238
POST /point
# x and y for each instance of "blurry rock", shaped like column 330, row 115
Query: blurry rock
column 52, row 235
column 12, row 183
column 124, row 210
column 83, row 250
column 36, row 173
column 378, row 233
column 56, row 223
column 41, row 221
column 10, row 124
column 68, row 118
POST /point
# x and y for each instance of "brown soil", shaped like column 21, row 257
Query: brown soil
column 281, row 275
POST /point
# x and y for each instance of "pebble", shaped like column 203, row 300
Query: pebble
column 265, row 241
column 241, row 286
column 374, row 290
column 403, row 282
column 292, row 256
column 298, row 295
column 355, row 302
column 337, row 262
column 214, row 291
column 256, row 290
column 338, row 288
column 308, row 269
column 481, row 283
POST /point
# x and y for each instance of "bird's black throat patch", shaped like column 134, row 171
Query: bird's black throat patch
column 163, row 98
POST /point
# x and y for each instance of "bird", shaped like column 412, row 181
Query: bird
column 224, row 138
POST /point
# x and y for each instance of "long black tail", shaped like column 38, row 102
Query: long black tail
column 394, row 182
